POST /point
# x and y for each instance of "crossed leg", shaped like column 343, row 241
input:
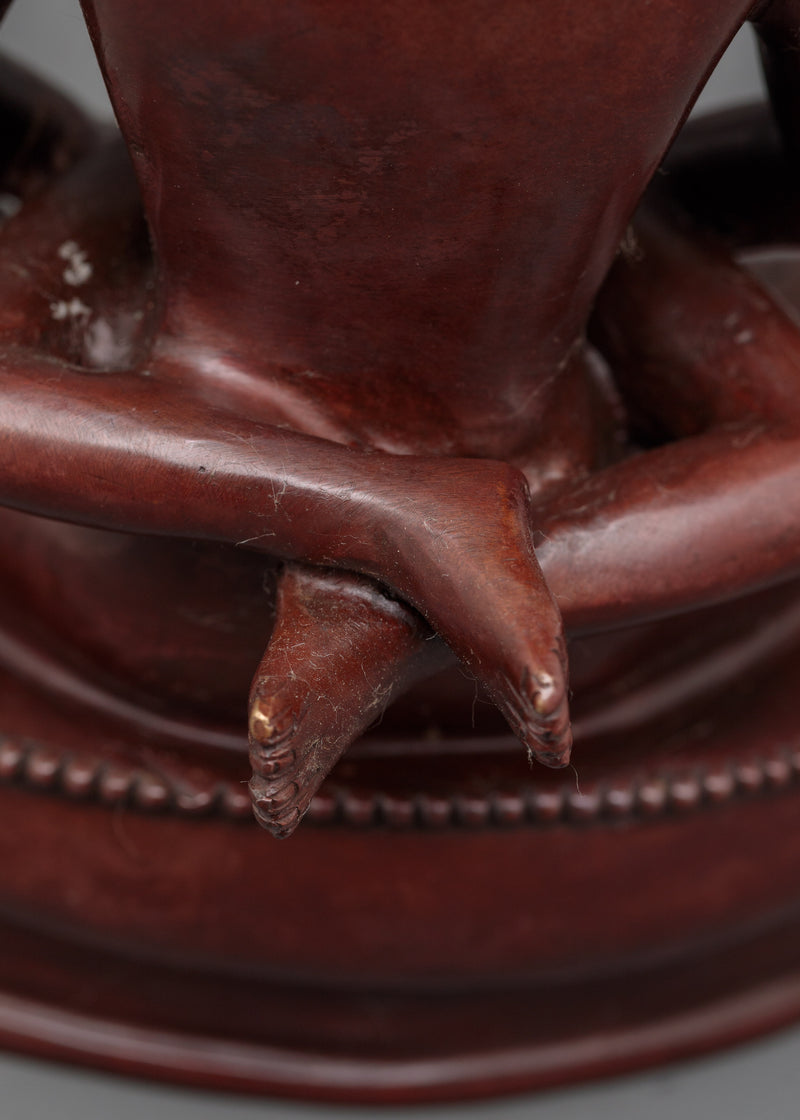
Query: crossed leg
column 340, row 651
column 138, row 447
column 707, row 359
column 450, row 537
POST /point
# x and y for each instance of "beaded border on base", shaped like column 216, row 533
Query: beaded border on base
column 45, row 769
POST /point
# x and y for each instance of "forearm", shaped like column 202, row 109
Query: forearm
column 693, row 340
column 129, row 452
column 706, row 360
column 449, row 536
column 124, row 451
column 682, row 526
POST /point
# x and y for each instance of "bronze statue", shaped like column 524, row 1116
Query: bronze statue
column 355, row 348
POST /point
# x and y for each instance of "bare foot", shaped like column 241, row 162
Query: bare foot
column 341, row 650
column 473, row 573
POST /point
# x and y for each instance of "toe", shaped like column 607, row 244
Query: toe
column 273, row 717
column 340, row 650
column 476, row 578
column 269, row 761
column 280, row 824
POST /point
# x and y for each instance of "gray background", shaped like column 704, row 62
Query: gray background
column 761, row 1080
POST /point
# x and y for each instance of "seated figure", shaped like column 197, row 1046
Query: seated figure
column 307, row 352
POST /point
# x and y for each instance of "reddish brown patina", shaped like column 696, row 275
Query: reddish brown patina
column 350, row 361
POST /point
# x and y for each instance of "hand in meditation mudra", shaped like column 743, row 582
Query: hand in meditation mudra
column 346, row 347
